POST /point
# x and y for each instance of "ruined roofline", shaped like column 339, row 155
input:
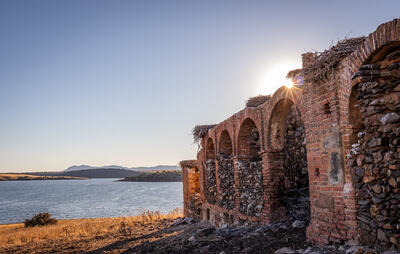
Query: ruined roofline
column 188, row 164
column 318, row 65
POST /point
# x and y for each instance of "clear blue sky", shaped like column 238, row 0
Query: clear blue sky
column 124, row 82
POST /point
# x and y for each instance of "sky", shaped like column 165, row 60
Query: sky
column 124, row 82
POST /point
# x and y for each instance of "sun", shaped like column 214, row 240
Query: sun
column 275, row 77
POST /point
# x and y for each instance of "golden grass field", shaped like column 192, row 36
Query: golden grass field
column 14, row 177
column 81, row 235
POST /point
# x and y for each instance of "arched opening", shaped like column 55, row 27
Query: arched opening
column 294, row 186
column 249, row 141
column 226, row 172
column 210, row 191
column 373, row 158
column 249, row 166
column 276, row 128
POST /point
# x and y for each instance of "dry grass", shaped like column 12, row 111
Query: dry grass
column 15, row 177
column 65, row 231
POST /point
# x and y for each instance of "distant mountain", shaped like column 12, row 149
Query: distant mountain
column 101, row 173
column 158, row 167
column 156, row 176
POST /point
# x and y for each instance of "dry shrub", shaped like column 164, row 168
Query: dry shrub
column 199, row 131
column 41, row 219
column 257, row 100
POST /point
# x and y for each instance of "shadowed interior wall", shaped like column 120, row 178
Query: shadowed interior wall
column 249, row 167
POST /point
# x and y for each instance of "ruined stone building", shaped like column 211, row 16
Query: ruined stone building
column 326, row 151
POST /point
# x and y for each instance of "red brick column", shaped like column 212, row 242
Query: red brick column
column 272, row 173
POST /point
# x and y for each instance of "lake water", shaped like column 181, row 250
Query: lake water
column 71, row 199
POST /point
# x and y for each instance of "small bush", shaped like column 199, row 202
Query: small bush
column 41, row 219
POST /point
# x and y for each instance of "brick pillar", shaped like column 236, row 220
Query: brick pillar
column 185, row 192
column 272, row 173
column 350, row 202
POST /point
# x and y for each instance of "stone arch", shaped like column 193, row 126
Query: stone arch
column 375, row 47
column 210, row 190
column 249, row 167
column 277, row 122
column 372, row 150
column 249, row 140
column 210, row 150
column 226, row 170
column 225, row 143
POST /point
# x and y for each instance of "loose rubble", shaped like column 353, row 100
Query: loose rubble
column 275, row 238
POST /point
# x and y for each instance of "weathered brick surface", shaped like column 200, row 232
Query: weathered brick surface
column 330, row 113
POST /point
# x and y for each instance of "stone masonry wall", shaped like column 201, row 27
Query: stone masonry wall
column 226, row 181
column 295, row 154
column 250, row 187
column 210, row 182
column 375, row 158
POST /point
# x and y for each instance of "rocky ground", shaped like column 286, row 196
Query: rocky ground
column 187, row 236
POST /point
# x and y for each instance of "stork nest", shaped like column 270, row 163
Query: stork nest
column 257, row 100
column 199, row 131
column 326, row 62
column 188, row 164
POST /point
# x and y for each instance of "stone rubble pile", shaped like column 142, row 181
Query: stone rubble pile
column 375, row 158
column 195, row 206
column 295, row 153
column 210, row 183
column 251, row 194
column 226, row 181
column 297, row 203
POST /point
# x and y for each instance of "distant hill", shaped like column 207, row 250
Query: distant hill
column 158, row 167
column 101, row 173
column 156, row 176
column 92, row 173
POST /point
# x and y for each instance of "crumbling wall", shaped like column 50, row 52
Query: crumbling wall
column 191, row 189
column 226, row 181
column 375, row 158
column 251, row 193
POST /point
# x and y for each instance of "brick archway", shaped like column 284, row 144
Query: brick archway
column 249, row 169
column 285, row 157
column 375, row 48
column 372, row 151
